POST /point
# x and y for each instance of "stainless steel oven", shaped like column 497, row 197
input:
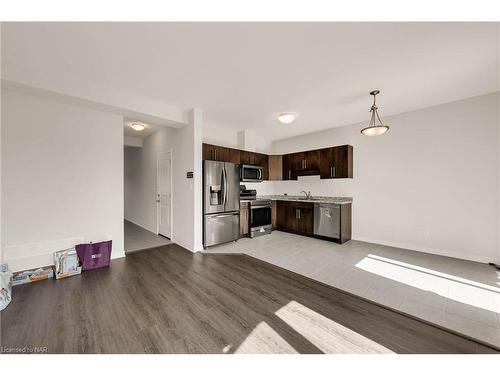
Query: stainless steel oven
column 260, row 217
column 251, row 173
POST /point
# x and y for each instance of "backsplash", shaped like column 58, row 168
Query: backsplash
column 317, row 186
column 263, row 188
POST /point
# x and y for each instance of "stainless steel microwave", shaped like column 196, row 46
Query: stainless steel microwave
column 251, row 173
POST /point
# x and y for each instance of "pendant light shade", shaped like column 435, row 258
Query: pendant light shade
column 376, row 127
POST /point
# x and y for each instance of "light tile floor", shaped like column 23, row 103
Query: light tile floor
column 456, row 294
column 138, row 238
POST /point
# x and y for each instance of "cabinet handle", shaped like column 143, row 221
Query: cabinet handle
column 215, row 154
column 289, row 174
column 333, row 168
column 331, row 171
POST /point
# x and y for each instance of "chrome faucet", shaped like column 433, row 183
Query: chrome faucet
column 307, row 193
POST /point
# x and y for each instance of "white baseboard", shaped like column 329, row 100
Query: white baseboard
column 424, row 249
column 39, row 254
column 185, row 245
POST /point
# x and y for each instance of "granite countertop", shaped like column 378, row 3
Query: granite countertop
column 302, row 198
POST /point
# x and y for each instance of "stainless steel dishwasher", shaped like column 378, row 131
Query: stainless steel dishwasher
column 327, row 220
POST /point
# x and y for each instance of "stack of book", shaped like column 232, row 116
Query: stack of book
column 29, row 276
column 66, row 263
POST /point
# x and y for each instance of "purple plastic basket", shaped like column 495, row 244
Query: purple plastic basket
column 94, row 255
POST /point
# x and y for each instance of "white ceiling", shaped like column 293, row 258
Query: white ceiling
column 242, row 74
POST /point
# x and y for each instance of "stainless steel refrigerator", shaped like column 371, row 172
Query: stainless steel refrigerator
column 221, row 202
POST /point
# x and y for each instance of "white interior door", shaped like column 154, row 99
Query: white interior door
column 164, row 194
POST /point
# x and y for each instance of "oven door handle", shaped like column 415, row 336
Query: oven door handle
column 255, row 206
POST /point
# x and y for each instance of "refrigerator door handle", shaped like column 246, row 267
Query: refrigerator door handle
column 225, row 186
column 223, row 189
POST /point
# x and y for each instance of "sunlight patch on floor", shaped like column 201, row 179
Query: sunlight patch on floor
column 326, row 334
column 456, row 288
column 263, row 340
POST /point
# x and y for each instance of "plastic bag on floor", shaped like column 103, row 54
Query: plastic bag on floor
column 5, row 286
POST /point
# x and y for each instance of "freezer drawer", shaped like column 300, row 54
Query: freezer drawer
column 327, row 220
column 220, row 228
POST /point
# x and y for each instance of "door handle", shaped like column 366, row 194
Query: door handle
column 223, row 188
column 222, row 215
column 225, row 185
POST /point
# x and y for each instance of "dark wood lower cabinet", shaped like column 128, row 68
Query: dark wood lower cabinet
column 298, row 218
column 295, row 217
column 244, row 219
column 274, row 215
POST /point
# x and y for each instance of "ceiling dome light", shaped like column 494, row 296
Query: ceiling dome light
column 286, row 118
column 373, row 129
column 137, row 126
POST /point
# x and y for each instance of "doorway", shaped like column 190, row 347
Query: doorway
column 140, row 193
column 164, row 195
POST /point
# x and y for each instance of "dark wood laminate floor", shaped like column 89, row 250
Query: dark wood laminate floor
column 167, row 300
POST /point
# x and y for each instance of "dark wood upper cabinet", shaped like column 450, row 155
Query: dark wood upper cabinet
column 307, row 163
column 312, row 160
column 216, row 153
column 336, row 162
column 247, row 157
column 275, row 163
column 298, row 161
column 234, row 156
column 301, row 164
column 208, row 152
column 262, row 160
column 289, row 167
column 331, row 162
column 326, row 163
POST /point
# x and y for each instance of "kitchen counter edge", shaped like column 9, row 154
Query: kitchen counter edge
column 318, row 199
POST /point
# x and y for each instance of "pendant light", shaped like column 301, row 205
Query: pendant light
column 374, row 129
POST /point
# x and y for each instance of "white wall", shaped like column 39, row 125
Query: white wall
column 431, row 183
column 140, row 181
column 62, row 169
column 219, row 135
column 132, row 141
column 140, row 177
